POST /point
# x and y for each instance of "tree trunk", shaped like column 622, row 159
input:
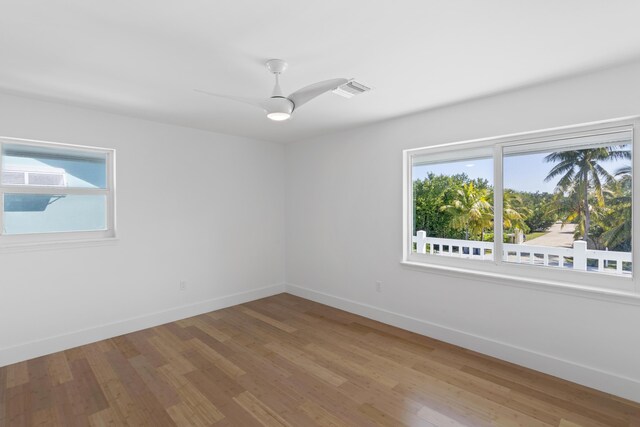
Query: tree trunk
column 587, row 215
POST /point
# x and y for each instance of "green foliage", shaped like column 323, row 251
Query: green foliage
column 612, row 228
column 515, row 211
column 584, row 180
column 470, row 210
column 429, row 195
column 541, row 211
column 457, row 207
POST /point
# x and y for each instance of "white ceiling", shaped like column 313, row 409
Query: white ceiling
column 143, row 58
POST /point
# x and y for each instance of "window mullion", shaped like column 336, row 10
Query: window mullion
column 26, row 189
column 635, row 197
column 111, row 200
column 497, row 205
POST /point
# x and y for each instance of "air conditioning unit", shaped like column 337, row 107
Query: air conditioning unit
column 27, row 175
column 13, row 175
column 351, row 89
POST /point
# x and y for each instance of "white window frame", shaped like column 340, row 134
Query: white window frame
column 508, row 272
column 63, row 237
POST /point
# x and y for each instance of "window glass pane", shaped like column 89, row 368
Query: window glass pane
column 39, row 213
column 453, row 207
column 570, row 207
column 31, row 165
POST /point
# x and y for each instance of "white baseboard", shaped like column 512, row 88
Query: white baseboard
column 37, row 348
column 608, row 382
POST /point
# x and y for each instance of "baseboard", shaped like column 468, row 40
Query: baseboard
column 608, row 382
column 31, row 349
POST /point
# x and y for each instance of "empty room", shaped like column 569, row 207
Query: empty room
column 319, row 213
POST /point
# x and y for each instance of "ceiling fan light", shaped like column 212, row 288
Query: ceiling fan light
column 278, row 108
column 279, row 116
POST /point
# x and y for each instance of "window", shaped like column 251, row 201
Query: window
column 55, row 192
column 556, row 205
column 452, row 204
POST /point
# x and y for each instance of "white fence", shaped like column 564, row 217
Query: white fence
column 578, row 257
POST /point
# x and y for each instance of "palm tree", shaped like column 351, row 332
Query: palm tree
column 470, row 211
column 618, row 218
column 515, row 212
column 580, row 172
column 571, row 208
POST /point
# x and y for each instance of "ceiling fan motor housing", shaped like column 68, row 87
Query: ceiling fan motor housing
column 279, row 108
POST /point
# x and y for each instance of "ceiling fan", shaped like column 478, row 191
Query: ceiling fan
column 279, row 107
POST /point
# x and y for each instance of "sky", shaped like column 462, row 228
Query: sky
column 522, row 172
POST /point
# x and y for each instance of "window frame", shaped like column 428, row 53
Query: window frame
column 497, row 268
column 39, row 239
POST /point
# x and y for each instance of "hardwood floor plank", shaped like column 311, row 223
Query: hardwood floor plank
column 65, row 410
column 437, row 419
column 125, row 408
column 184, row 415
column 320, row 415
column 17, row 374
column 40, row 384
column 106, row 418
column 553, row 388
column 566, row 423
column 299, row 358
column 354, row 368
column 194, row 404
column 224, row 364
column 172, row 355
column 286, row 361
column 321, row 393
column 205, row 326
column 283, row 400
column 85, row 391
column 223, row 400
column 125, row 346
column 379, row 417
column 271, row 321
column 74, row 354
column 46, row 418
column 141, row 343
column 162, row 390
column 58, row 368
column 139, row 393
column 18, row 407
column 555, row 404
column 261, row 412
column 3, row 396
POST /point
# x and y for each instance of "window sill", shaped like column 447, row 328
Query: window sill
column 621, row 297
column 56, row 244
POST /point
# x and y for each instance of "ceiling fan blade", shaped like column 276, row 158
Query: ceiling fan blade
column 307, row 93
column 250, row 101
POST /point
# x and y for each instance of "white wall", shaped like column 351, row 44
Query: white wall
column 344, row 232
column 191, row 205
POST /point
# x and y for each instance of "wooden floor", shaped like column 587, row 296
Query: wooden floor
column 288, row 361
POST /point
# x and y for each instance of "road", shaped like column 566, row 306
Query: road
column 558, row 236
